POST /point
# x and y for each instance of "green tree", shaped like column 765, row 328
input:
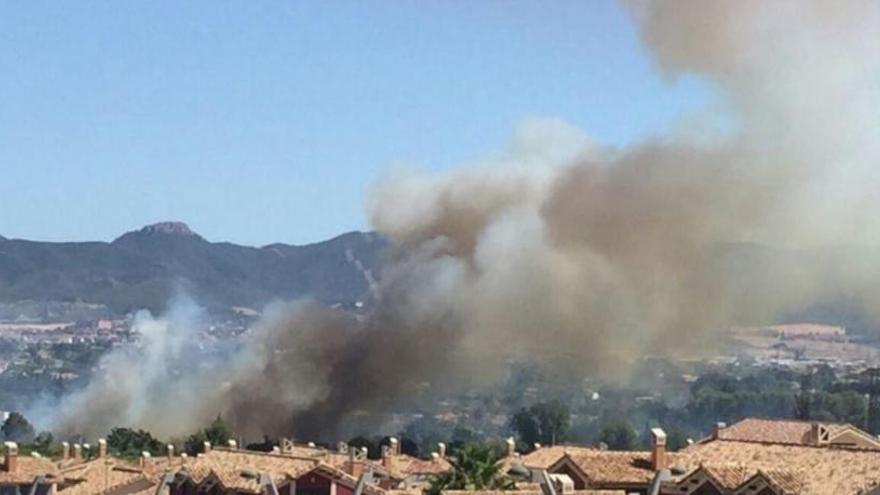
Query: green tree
column 361, row 441
column 410, row 447
column 127, row 442
column 462, row 436
column 676, row 439
column 805, row 399
column 218, row 433
column 41, row 444
column 619, row 435
column 265, row 446
column 545, row 422
column 474, row 467
column 195, row 443
column 425, row 432
column 17, row 428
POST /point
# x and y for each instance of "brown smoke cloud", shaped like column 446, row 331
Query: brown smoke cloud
column 584, row 258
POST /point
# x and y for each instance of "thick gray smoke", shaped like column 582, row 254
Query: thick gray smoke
column 135, row 385
column 585, row 257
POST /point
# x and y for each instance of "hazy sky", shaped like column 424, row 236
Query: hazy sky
column 258, row 122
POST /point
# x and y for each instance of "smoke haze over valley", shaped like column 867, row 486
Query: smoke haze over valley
column 558, row 249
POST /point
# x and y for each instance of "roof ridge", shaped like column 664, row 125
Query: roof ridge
column 799, row 445
column 276, row 455
column 789, row 420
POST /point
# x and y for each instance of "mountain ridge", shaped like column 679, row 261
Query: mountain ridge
column 143, row 269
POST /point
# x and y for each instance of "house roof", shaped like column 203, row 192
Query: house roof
column 790, row 469
column 806, row 470
column 608, row 467
column 103, row 475
column 734, row 477
column 234, row 469
column 776, row 431
column 239, row 469
column 397, row 466
column 27, row 469
column 531, row 492
column 773, row 451
column 544, row 457
column 783, row 481
column 728, row 476
column 402, row 465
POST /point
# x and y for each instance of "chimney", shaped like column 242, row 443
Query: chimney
column 10, row 460
column 441, row 450
column 87, row 451
column 102, row 448
column 435, row 457
column 716, row 432
column 65, row 451
column 658, row 449
column 395, row 446
column 206, row 447
column 354, row 468
column 342, row 447
column 232, row 444
column 537, row 446
column 819, row 434
column 77, row 452
column 170, row 449
column 511, row 447
column 386, row 455
column 145, row 458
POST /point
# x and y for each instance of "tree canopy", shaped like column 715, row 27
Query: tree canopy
column 474, row 467
column 218, row 433
column 619, row 435
column 545, row 422
column 128, row 442
column 17, row 428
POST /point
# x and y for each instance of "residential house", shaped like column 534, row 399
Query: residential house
column 754, row 457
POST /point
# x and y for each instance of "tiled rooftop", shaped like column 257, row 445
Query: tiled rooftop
column 27, row 468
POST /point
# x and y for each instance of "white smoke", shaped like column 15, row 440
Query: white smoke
column 579, row 256
column 158, row 384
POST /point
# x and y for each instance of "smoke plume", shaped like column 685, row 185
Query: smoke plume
column 584, row 257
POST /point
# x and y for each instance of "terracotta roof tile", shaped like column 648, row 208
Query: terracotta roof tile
column 531, row 492
column 786, row 482
column 729, row 476
column 779, row 431
column 402, row 465
column 104, row 475
column 27, row 469
column 804, row 470
column 239, row 469
column 615, row 467
column 545, row 457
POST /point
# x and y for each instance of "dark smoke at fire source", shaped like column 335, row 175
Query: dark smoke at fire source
column 579, row 256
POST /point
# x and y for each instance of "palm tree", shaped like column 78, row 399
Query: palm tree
column 474, row 467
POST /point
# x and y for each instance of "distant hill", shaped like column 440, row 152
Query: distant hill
column 143, row 269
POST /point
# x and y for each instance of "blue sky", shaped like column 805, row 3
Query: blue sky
column 258, row 122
